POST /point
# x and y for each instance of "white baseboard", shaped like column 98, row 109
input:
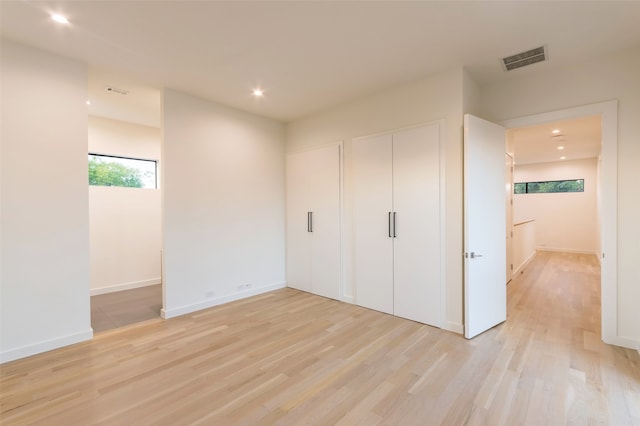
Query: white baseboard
column 454, row 327
column 625, row 342
column 349, row 299
column 523, row 265
column 567, row 250
column 124, row 286
column 187, row 309
column 44, row 346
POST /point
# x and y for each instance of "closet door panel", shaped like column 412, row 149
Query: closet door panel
column 416, row 199
column 324, row 169
column 372, row 203
column 298, row 238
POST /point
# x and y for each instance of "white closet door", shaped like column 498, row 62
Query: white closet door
column 373, row 247
column 298, row 237
column 416, row 200
column 324, row 170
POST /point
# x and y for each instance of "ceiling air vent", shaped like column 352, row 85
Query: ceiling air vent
column 116, row 90
column 523, row 59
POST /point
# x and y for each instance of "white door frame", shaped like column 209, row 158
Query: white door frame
column 509, row 164
column 608, row 202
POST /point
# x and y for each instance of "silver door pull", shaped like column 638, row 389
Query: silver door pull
column 474, row 255
column 394, row 225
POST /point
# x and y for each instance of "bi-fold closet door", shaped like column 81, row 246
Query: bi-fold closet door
column 313, row 221
column 396, row 222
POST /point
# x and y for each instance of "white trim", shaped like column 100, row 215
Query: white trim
column 625, row 342
column 401, row 129
column 349, row 299
column 304, row 149
column 523, row 265
column 125, row 286
column 454, row 327
column 342, row 284
column 187, row 309
column 44, row 346
column 443, row 225
column 566, row 250
column 609, row 201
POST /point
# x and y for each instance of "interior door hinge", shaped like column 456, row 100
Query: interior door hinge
column 512, row 266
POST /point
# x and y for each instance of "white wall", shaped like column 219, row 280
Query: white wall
column 44, row 289
column 124, row 222
column 565, row 221
column 611, row 77
column 430, row 99
column 471, row 97
column 224, row 204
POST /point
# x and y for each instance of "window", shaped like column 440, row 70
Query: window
column 576, row 185
column 107, row 170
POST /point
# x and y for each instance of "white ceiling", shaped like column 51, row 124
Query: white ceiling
column 580, row 138
column 140, row 105
column 311, row 55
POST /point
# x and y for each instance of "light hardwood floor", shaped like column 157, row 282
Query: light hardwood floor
column 114, row 310
column 292, row 358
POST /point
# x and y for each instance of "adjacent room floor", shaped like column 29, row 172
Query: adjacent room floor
column 113, row 310
column 292, row 358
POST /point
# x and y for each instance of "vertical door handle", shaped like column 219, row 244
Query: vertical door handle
column 389, row 223
column 394, row 225
column 310, row 221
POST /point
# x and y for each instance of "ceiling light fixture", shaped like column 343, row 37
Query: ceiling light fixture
column 561, row 147
column 555, row 131
column 88, row 102
column 258, row 93
column 563, row 158
column 59, row 18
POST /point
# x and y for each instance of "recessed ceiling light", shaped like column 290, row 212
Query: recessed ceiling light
column 59, row 18
column 258, row 93
column 555, row 131
column 563, row 158
column 561, row 147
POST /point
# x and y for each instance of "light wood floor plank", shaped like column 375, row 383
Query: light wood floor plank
column 292, row 358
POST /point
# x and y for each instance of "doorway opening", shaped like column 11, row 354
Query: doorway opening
column 553, row 190
column 125, row 164
column 606, row 188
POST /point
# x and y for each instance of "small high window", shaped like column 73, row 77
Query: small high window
column 575, row 185
column 107, row 170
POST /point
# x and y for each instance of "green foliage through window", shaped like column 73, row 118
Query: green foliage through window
column 575, row 185
column 107, row 170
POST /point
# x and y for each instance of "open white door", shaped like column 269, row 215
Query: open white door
column 485, row 286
